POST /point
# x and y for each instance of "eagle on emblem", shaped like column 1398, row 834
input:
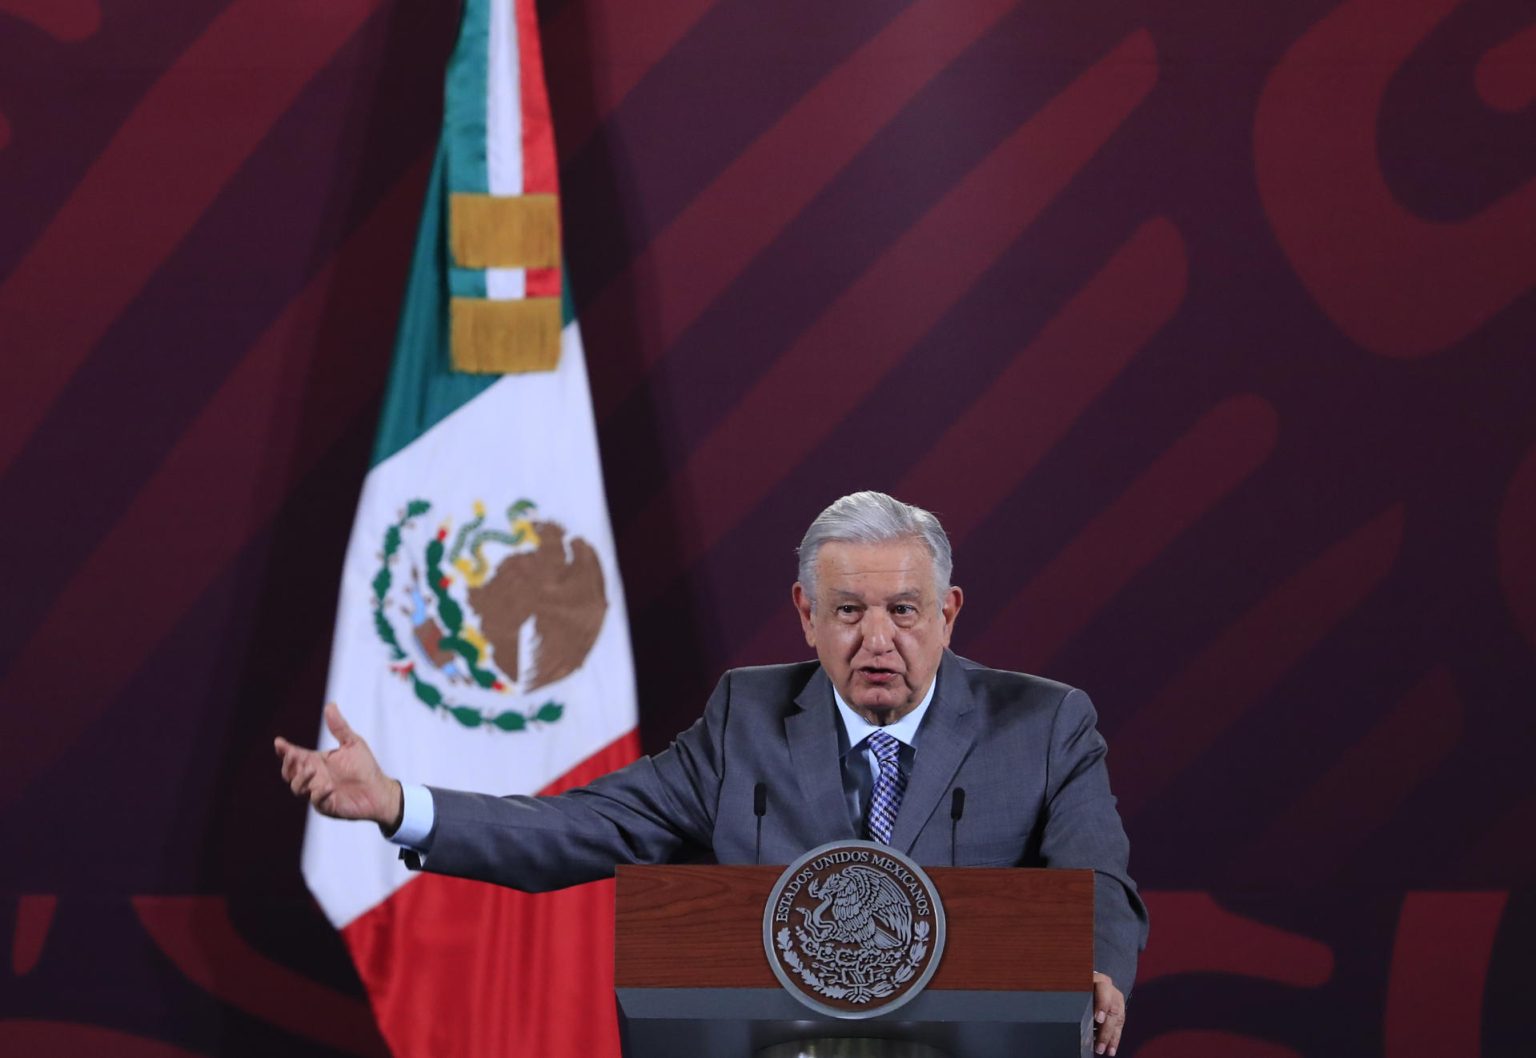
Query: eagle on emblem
column 559, row 586
column 868, row 909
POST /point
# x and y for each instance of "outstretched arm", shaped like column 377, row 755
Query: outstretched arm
column 345, row 782
column 653, row 811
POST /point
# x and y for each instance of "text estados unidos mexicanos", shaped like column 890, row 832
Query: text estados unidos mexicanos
column 895, row 868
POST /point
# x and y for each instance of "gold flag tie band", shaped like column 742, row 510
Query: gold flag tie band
column 504, row 231
column 504, row 337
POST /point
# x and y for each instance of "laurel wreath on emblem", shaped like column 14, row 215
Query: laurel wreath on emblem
column 869, row 948
column 485, row 657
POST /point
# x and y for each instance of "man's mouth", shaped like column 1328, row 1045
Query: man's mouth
column 880, row 676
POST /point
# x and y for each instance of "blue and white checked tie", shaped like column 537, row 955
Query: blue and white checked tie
column 886, row 800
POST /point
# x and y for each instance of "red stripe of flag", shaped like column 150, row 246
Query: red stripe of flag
column 461, row 969
column 540, row 169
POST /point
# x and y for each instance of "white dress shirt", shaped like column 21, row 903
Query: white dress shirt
column 860, row 765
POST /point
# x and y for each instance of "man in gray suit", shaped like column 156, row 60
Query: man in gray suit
column 871, row 740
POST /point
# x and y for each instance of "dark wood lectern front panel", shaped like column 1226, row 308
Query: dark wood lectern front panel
column 1009, row 929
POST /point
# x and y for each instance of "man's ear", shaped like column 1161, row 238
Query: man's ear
column 954, row 598
column 802, row 600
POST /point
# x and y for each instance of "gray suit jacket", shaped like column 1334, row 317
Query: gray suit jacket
column 1024, row 749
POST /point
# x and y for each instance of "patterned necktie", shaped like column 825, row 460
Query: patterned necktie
column 886, row 800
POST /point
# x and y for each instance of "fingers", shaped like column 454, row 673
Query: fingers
column 303, row 769
column 1108, row 1015
column 1107, row 1034
column 313, row 780
column 338, row 724
column 293, row 756
column 329, row 780
column 303, row 775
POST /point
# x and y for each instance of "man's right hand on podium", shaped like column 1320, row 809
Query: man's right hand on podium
column 345, row 782
column 1108, row 1015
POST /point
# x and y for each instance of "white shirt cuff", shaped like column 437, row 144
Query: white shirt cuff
column 416, row 819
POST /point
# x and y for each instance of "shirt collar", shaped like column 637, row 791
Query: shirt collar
column 904, row 730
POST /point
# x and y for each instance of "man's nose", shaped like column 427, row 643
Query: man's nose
column 878, row 631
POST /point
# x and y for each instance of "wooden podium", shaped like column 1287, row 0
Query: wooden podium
column 1015, row 977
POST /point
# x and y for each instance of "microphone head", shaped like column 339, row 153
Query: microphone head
column 957, row 804
column 760, row 799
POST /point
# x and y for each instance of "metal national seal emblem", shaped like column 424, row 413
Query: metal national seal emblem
column 853, row 929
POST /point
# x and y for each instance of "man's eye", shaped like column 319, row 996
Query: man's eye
column 902, row 609
column 847, row 608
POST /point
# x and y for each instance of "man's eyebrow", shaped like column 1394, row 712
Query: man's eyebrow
column 910, row 593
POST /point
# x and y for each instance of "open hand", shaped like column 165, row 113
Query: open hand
column 1108, row 1015
column 343, row 783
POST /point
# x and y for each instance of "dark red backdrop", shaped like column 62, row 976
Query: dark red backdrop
column 1207, row 327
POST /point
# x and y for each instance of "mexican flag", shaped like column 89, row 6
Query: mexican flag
column 480, row 637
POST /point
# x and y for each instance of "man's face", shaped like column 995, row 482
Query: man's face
column 878, row 624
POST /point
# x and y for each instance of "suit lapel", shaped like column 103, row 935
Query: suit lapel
column 813, row 746
column 947, row 734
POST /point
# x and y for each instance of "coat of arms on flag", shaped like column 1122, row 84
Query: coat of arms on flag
column 480, row 616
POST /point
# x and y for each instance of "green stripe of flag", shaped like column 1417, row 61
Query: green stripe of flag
column 464, row 102
column 423, row 388
column 465, row 126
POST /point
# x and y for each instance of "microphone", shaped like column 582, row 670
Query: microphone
column 759, row 809
column 956, row 810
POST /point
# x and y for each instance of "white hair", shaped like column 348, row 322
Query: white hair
column 875, row 518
